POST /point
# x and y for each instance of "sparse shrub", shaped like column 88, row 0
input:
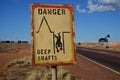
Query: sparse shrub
column 34, row 75
column 78, row 43
column 22, row 69
column 107, row 46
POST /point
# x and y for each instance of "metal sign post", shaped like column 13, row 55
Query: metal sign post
column 54, row 72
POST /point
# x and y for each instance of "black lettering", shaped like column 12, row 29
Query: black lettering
column 54, row 11
column 46, row 11
column 43, row 51
column 63, row 11
column 49, row 11
column 38, row 51
column 40, row 58
column 47, row 58
column 58, row 11
column 49, row 51
column 52, row 57
column 55, row 58
column 39, row 11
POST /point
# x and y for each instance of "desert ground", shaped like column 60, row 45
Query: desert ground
column 115, row 46
column 15, row 64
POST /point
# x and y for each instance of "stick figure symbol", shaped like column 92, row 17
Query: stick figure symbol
column 58, row 42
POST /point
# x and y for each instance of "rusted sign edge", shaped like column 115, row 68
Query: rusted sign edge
column 51, row 63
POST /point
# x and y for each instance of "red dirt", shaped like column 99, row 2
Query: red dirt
column 86, row 70
column 6, row 57
column 83, row 70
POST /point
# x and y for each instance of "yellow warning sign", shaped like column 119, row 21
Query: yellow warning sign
column 52, row 34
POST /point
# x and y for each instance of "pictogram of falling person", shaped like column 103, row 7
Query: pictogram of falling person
column 58, row 42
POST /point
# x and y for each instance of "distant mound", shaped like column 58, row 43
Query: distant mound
column 115, row 45
column 112, row 45
column 89, row 44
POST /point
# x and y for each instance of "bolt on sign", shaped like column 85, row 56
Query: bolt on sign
column 52, row 34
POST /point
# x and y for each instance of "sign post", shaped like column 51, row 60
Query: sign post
column 52, row 30
column 54, row 72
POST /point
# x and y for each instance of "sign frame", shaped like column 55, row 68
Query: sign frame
column 52, row 63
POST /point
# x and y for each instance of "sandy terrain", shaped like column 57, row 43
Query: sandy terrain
column 86, row 70
column 115, row 46
column 83, row 70
column 13, row 52
column 16, row 64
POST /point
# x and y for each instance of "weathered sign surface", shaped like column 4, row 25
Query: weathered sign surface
column 52, row 34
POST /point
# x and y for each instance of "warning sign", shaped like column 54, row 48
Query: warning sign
column 52, row 34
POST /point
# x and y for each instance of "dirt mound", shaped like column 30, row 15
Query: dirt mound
column 114, row 44
column 89, row 44
column 111, row 45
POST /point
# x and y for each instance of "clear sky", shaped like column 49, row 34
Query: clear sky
column 93, row 19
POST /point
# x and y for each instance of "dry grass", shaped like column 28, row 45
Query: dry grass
column 22, row 69
column 18, row 66
column 9, row 47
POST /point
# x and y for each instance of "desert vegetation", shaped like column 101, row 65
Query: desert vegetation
column 18, row 65
column 15, row 64
column 10, row 41
column 22, row 69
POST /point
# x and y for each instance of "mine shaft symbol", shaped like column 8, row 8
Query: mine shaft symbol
column 58, row 40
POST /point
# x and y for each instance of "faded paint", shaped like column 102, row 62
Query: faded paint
column 52, row 35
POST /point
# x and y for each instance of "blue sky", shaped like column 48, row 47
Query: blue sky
column 93, row 19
